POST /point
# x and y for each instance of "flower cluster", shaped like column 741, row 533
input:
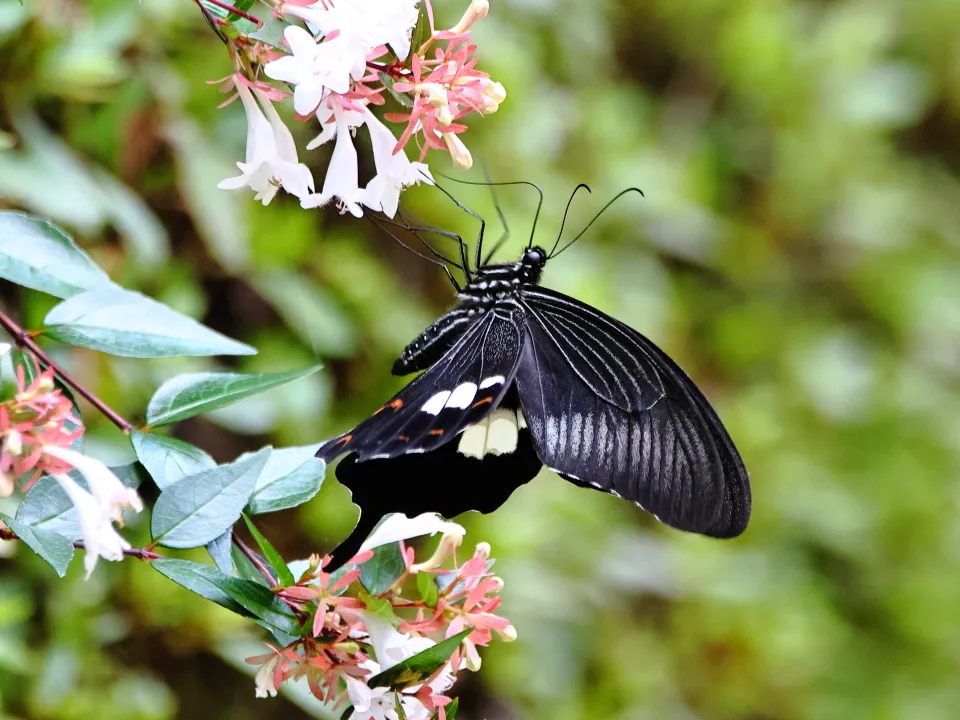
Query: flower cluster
column 340, row 57
column 37, row 429
column 356, row 636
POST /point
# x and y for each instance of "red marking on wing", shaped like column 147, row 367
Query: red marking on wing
column 435, row 432
column 478, row 403
column 395, row 404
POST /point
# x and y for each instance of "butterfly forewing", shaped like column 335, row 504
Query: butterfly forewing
column 607, row 409
column 460, row 389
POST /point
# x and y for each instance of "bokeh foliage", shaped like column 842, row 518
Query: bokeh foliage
column 797, row 252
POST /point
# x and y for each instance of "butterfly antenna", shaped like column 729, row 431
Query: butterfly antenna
column 536, row 187
column 595, row 217
column 402, row 244
column 566, row 210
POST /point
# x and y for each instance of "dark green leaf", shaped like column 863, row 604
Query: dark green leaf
column 245, row 567
column 421, row 31
column 38, row 255
column 112, row 320
column 418, row 668
column 199, row 508
column 291, row 477
column 201, row 579
column 450, row 710
column 193, row 393
column 240, row 596
column 284, row 576
column 260, row 601
column 55, row 549
column 168, row 459
column 382, row 570
column 428, row 589
column 400, row 97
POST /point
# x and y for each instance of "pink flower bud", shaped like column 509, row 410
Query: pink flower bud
column 478, row 9
column 13, row 445
column 507, row 634
column 461, row 158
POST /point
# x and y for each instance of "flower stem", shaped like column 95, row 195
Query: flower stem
column 23, row 340
column 257, row 562
column 139, row 553
column 233, row 10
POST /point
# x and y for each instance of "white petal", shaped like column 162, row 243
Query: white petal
column 399, row 527
column 286, row 69
column 301, row 43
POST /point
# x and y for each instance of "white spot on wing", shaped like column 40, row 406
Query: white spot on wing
column 435, row 404
column 492, row 380
column 462, row 396
column 521, row 420
column 553, row 435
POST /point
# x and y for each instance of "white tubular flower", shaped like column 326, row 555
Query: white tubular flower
column 371, row 703
column 313, row 68
column 376, row 22
column 264, row 678
column 343, row 174
column 399, row 527
column 99, row 508
column 271, row 159
column 394, row 171
column 458, row 151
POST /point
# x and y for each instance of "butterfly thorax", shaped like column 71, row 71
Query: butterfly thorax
column 491, row 284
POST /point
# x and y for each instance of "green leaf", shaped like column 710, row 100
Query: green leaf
column 219, row 550
column 421, row 31
column 428, row 589
column 291, row 477
column 245, row 568
column 168, row 459
column 54, row 548
column 201, row 579
column 381, row 607
column 382, row 570
column 240, row 596
column 37, row 254
column 190, row 394
column 416, row 669
column 123, row 322
column 260, row 601
column 451, row 710
column 270, row 33
column 284, row 576
column 199, row 508
column 402, row 98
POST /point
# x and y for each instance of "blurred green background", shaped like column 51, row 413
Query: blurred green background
column 797, row 252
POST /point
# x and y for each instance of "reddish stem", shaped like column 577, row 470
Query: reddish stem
column 232, row 9
column 257, row 563
column 24, row 340
column 139, row 553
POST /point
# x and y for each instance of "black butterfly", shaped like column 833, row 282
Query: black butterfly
column 518, row 376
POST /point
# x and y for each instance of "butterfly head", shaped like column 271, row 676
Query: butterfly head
column 531, row 264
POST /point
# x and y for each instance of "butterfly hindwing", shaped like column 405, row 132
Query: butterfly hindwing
column 607, row 409
column 461, row 388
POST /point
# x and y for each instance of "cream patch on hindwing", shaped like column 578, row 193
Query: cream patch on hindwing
column 496, row 434
column 490, row 381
